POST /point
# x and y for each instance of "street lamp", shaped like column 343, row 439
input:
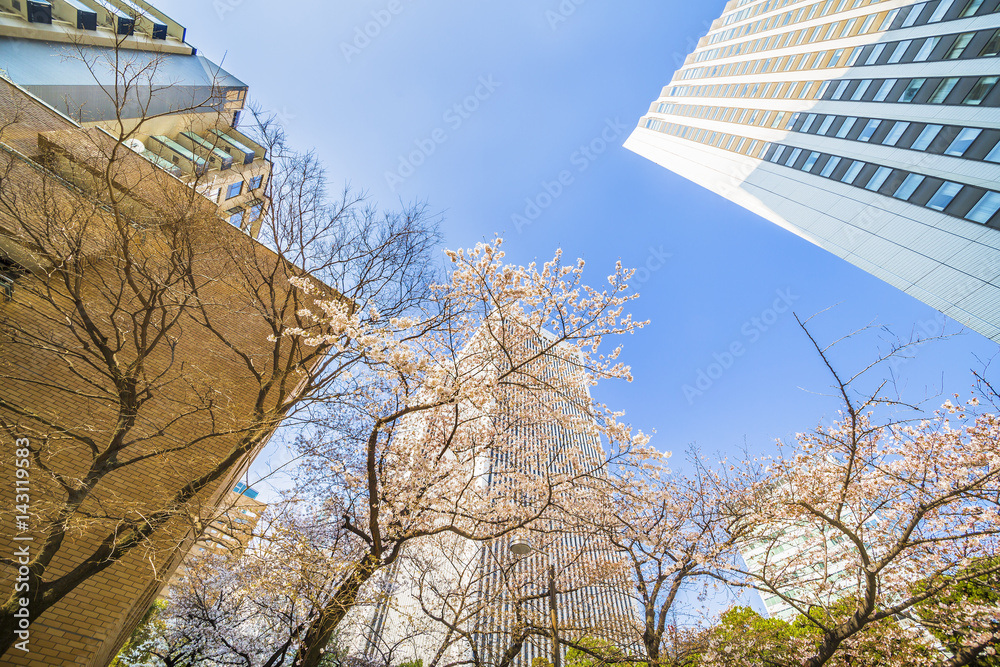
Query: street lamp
column 520, row 546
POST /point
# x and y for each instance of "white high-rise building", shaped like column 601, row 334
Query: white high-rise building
column 487, row 590
column 868, row 127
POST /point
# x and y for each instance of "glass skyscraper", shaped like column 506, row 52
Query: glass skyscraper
column 867, row 127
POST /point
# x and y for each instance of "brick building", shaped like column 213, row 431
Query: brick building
column 105, row 248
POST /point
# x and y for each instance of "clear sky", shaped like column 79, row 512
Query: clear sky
column 551, row 86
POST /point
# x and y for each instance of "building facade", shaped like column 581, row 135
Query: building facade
column 867, row 127
column 124, row 66
column 489, row 592
column 61, row 173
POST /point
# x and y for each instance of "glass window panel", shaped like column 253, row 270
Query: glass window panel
column 777, row 154
column 839, row 92
column 940, row 11
column 810, row 119
column 908, row 186
column 980, row 90
column 826, row 125
column 926, row 49
column 963, row 141
column 862, row 89
column 911, row 90
column 873, row 56
column 926, row 137
column 869, row 130
column 898, row 52
column 914, row 14
column 895, row 133
column 971, row 8
column 994, row 155
column 958, row 48
column 810, row 161
column 985, row 209
column 793, row 157
column 846, row 127
column 883, row 90
column 853, row 171
column 992, row 47
column 944, row 195
column 942, row 91
column 830, row 165
column 878, row 178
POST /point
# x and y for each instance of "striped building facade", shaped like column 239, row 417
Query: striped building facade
column 867, row 127
column 487, row 589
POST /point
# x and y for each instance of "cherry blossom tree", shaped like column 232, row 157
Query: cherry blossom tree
column 677, row 535
column 887, row 514
column 466, row 409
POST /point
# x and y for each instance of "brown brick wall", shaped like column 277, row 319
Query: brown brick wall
column 196, row 369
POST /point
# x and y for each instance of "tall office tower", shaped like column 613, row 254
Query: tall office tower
column 60, row 237
column 867, row 127
column 492, row 589
column 180, row 109
column 810, row 565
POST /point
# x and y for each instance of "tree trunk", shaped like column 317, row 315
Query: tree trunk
column 311, row 650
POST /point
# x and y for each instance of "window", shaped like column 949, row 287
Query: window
column 777, row 154
column 895, row 133
column 810, row 161
column 810, row 119
column 846, row 127
column 862, row 88
column 963, row 141
column 839, row 92
column 908, row 186
column 853, row 171
column 970, row 8
column 985, row 209
column 234, row 190
column 256, row 182
column 992, row 47
column 911, row 90
column 873, row 56
column 926, row 137
column 942, row 91
column 235, row 217
column 826, row 125
column 869, row 130
column 830, row 165
column 10, row 271
column 914, row 14
column 944, row 195
column 994, row 155
column 884, row 89
column 878, row 178
column 940, row 11
column 900, row 49
column 980, row 90
column 958, row 48
column 926, row 49
column 793, row 157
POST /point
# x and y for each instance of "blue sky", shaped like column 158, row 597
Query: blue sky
column 537, row 83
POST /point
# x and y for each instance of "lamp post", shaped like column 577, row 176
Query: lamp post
column 521, row 547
